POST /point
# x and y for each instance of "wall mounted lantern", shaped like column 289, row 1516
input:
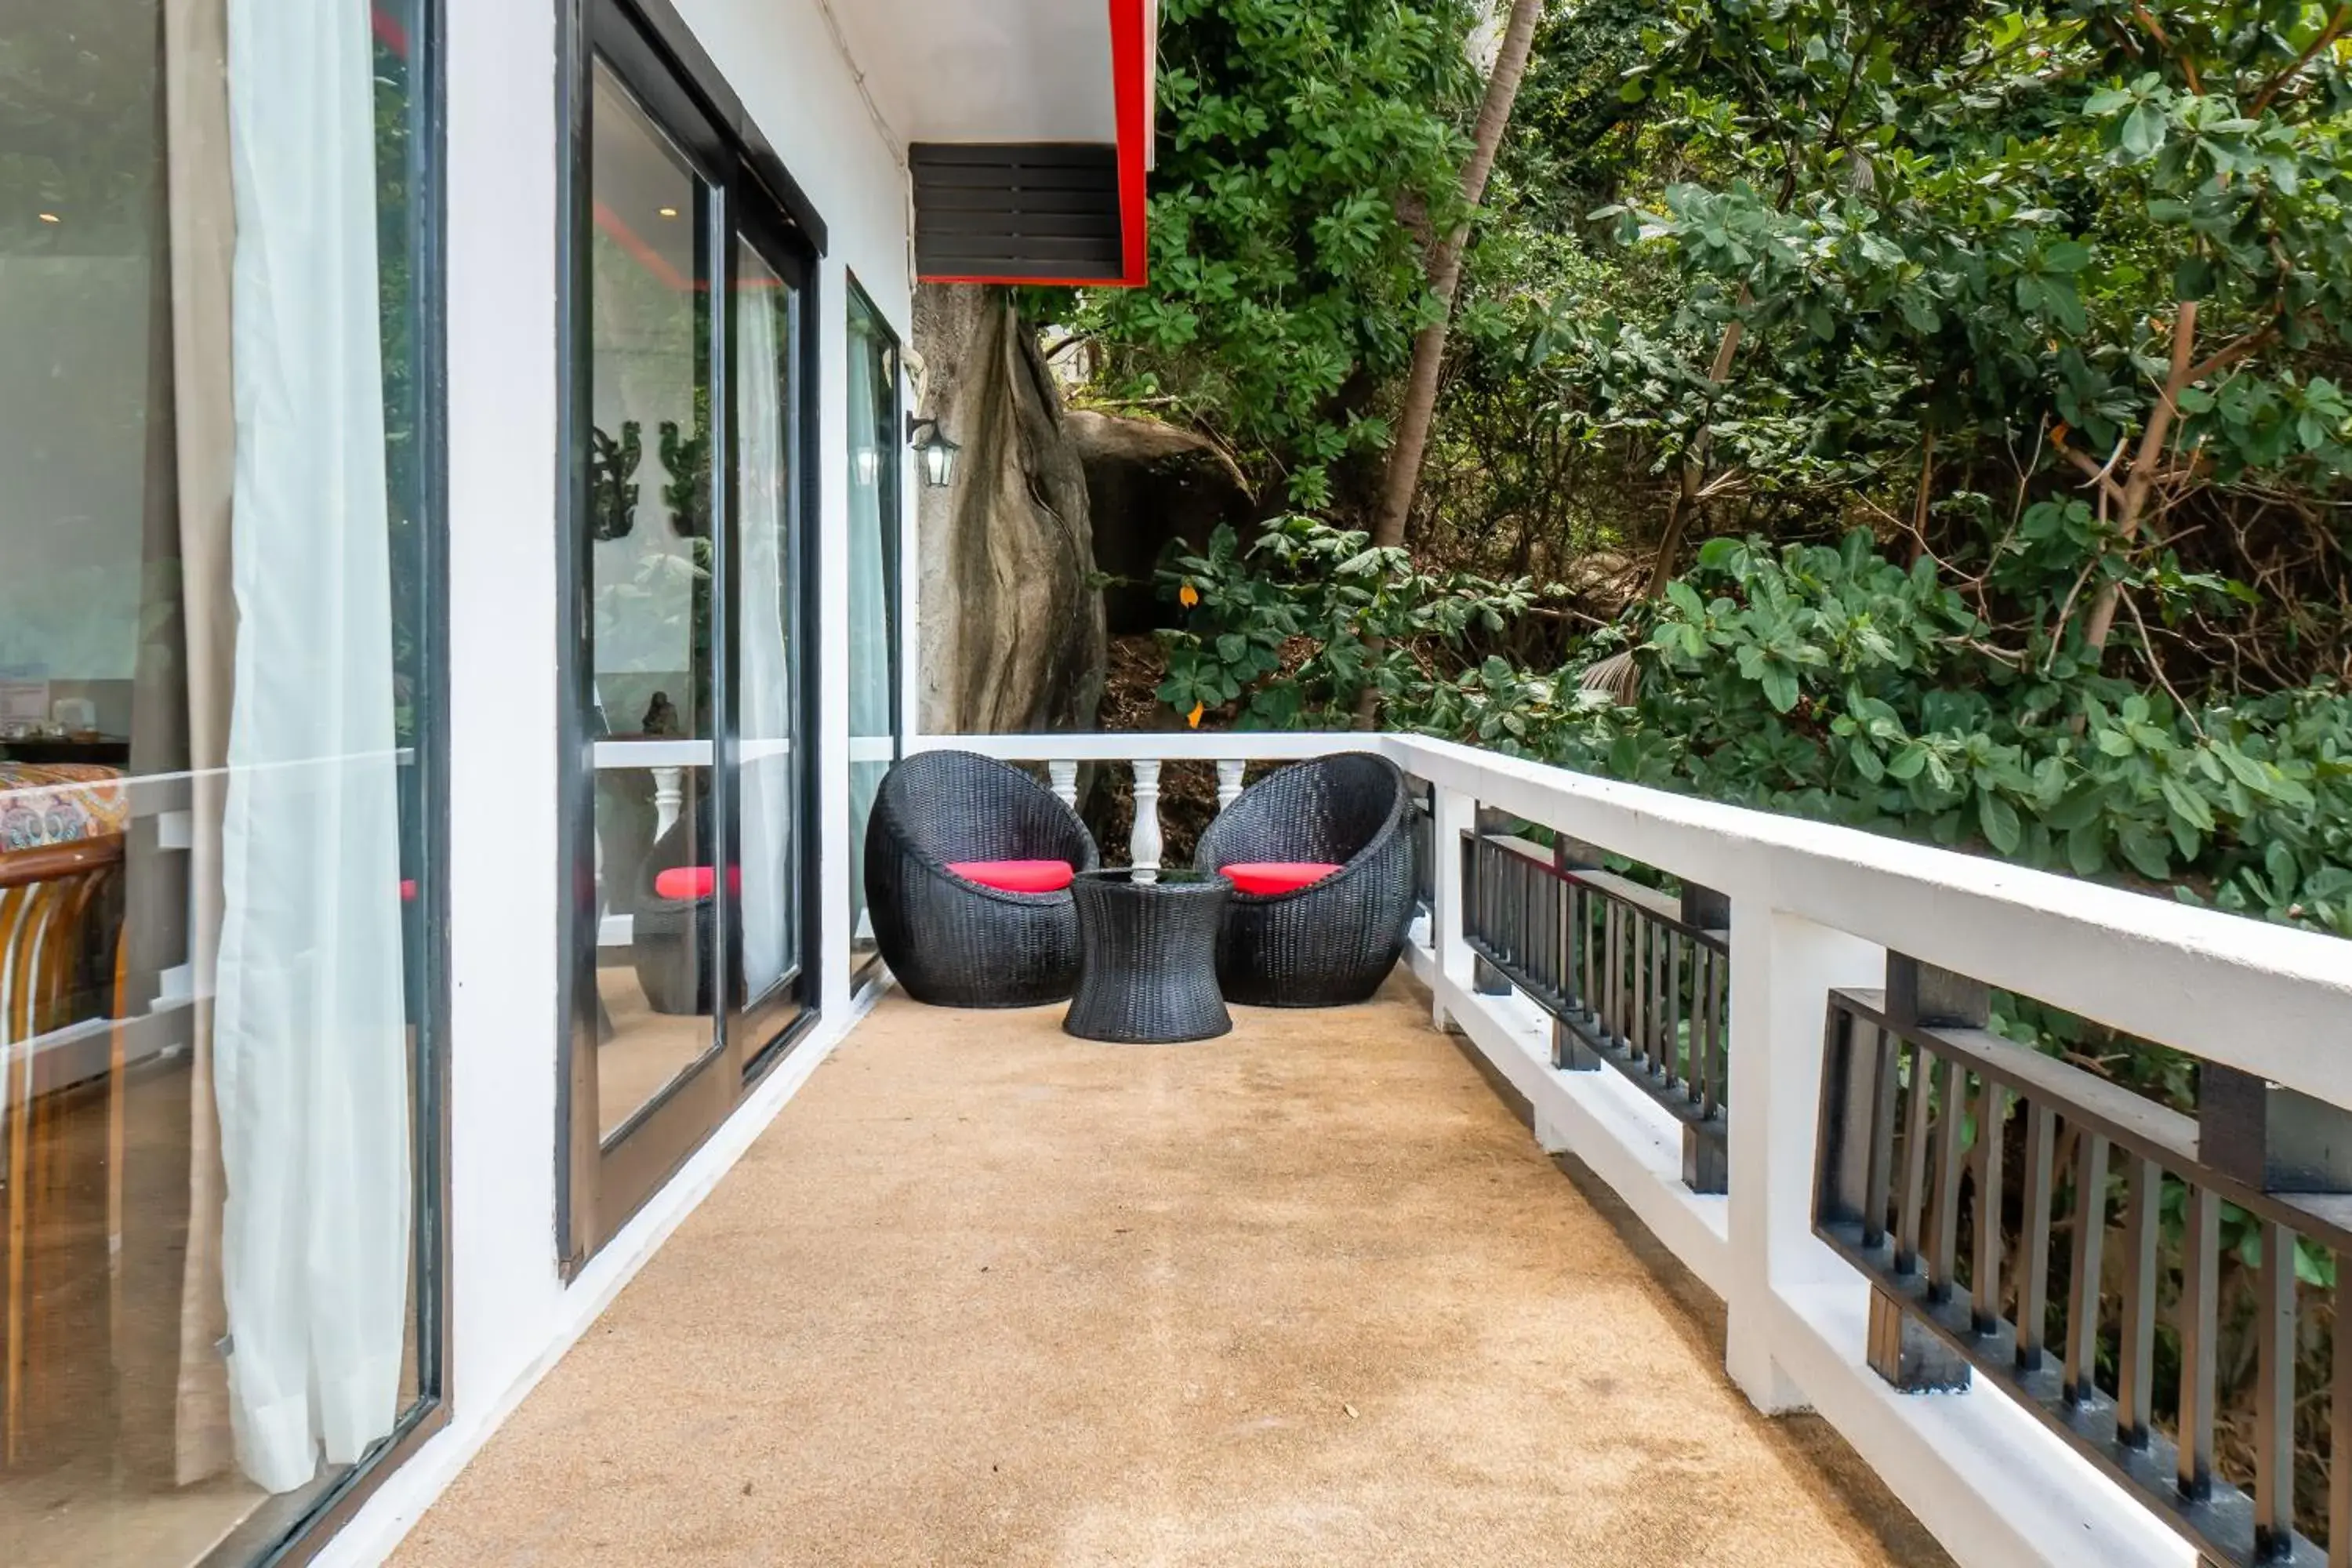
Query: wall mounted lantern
column 936, row 452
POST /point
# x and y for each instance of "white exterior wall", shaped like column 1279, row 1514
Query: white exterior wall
column 511, row 1316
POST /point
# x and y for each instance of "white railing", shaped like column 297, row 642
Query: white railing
column 1816, row 908
column 1143, row 754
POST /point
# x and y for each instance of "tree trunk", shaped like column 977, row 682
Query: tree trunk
column 1011, row 615
column 1420, row 408
column 2141, row 482
column 1694, row 478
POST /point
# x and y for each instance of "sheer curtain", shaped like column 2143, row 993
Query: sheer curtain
column 309, row 1073
column 765, row 710
column 873, row 471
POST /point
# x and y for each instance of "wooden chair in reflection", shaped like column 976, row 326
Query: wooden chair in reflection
column 60, row 975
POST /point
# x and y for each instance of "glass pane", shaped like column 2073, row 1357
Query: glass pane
column 212, row 971
column 649, row 521
column 874, row 469
column 766, row 335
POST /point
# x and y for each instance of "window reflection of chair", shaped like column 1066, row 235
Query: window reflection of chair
column 60, row 972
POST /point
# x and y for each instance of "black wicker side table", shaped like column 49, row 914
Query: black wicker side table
column 1147, row 958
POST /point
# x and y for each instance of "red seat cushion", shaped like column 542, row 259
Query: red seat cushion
column 1276, row 876
column 1016, row 876
column 683, row 882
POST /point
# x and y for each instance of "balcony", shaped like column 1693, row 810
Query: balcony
column 1311, row 1293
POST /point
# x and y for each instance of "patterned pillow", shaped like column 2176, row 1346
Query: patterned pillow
column 59, row 803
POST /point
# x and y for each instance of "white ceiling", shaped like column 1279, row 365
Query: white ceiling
column 985, row 70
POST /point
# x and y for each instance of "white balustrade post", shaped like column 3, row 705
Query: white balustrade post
column 1452, row 819
column 1229, row 783
column 1064, row 777
column 1782, row 969
column 1143, row 843
column 669, row 797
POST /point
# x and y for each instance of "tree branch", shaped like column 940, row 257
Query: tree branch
column 2328, row 35
column 2099, row 474
column 2231, row 354
column 2156, row 31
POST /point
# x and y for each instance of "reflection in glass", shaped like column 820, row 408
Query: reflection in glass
column 649, row 521
column 212, row 636
column 874, row 469
column 766, row 325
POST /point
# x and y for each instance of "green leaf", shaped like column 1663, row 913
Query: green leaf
column 2148, row 852
column 2066, row 256
column 2086, row 849
column 2143, row 131
column 2076, row 809
column 2284, row 874
column 1780, row 684
column 1999, row 820
column 2187, row 804
column 2314, row 1267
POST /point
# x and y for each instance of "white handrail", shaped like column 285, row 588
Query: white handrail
column 2270, row 999
column 1149, row 745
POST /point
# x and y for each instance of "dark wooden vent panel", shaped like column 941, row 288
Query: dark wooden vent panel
column 1017, row 212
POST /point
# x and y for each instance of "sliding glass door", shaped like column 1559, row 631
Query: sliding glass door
column 769, row 953
column 221, row 774
column 686, row 751
column 875, row 445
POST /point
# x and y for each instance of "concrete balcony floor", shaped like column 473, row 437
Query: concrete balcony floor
column 1307, row 1294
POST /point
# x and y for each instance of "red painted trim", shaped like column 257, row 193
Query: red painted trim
column 646, row 256
column 1130, row 72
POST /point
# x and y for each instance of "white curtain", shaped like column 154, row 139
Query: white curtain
column 873, row 473
column 311, row 1076
column 765, row 710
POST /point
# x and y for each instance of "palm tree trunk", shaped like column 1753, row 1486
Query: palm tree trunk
column 1445, row 273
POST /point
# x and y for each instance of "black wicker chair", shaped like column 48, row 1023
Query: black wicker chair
column 673, row 936
column 952, row 942
column 1333, row 941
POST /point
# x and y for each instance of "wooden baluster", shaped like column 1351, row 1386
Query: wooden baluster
column 2200, row 1342
column 2079, row 1379
column 1064, row 777
column 2033, row 1276
column 1984, row 1279
column 1143, row 843
column 2135, row 1357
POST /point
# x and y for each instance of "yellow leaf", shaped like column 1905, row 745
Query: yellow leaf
column 1193, row 718
column 1187, row 595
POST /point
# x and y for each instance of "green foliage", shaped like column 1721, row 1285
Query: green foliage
column 687, row 459
column 1835, row 684
column 1306, row 143
column 1826, row 682
column 1287, row 633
